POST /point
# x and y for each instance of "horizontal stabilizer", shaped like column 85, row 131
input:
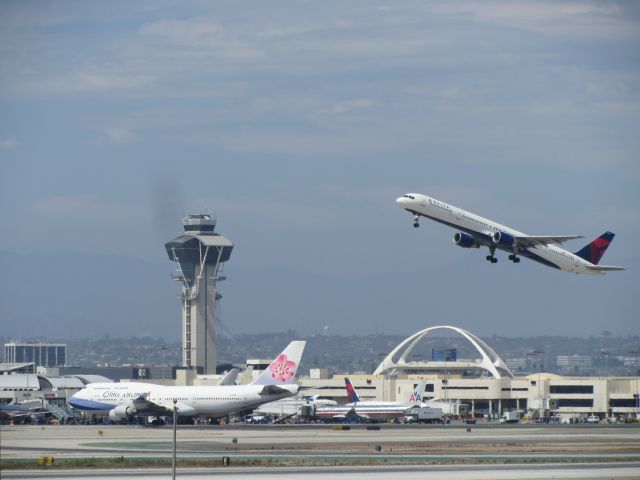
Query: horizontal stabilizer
column 273, row 390
column 605, row 268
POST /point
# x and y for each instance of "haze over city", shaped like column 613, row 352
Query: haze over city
column 298, row 125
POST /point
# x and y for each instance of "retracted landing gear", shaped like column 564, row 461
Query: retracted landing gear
column 514, row 258
column 415, row 221
column 491, row 257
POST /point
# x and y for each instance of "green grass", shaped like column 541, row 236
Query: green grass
column 284, row 461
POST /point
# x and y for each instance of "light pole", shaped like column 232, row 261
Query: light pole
column 175, row 424
column 605, row 354
column 163, row 349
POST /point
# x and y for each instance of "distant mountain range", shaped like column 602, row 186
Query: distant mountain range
column 87, row 296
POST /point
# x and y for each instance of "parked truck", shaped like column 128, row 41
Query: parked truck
column 510, row 417
column 428, row 415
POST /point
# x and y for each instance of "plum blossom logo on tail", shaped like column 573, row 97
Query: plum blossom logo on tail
column 282, row 368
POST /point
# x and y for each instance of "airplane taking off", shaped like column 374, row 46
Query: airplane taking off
column 127, row 399
column 476, row 231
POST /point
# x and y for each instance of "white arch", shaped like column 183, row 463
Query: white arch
column 491, row 362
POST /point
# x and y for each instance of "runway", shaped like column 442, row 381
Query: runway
column 432, row 473
column 452, row 451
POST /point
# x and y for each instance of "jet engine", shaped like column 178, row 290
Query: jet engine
column 504, row 240
column 464, row 240
column 121, row 412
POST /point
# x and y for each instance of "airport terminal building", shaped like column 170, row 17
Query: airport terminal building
column 485, row 384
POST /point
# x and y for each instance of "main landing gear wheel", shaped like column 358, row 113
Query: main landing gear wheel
column 491, row 257
column 514, row 258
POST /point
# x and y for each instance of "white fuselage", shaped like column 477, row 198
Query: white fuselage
column 366, row 409
column 483, row 228
column 190, row 401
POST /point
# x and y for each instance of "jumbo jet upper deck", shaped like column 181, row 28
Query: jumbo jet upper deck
column 475, row 231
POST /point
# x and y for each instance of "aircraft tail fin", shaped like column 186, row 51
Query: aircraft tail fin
column 418, row 392
column 230, row 377
column 595, row 250
column 352, row 395
column 283, row 369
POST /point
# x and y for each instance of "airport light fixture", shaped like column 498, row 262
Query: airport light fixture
column 175, row 428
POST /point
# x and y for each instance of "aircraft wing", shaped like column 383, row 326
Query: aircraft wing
column 604, row 268
column 19, row 414
column 142, row 404
column 533, row 240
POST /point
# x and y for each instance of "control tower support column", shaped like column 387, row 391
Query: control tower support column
column 199, row 255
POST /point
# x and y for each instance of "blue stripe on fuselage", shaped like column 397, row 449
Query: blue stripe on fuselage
column 488, row 241
column 82, row 404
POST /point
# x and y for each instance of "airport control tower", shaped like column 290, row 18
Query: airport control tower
column 199, row 254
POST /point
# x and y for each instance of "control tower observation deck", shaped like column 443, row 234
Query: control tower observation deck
column 199, row 254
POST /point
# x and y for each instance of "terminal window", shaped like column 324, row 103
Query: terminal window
column 571, row 389
column 575, row 402
column 622, row 402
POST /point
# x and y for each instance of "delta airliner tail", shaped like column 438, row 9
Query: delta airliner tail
column 352, row 395
column 282, row 370
column 595, row 250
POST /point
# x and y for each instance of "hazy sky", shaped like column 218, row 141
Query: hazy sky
column 299, row 123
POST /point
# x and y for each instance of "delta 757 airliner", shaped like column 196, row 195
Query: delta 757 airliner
column 476, row 231
column 126, row 399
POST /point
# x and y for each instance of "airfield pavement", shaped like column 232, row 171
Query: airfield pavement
column 451, row 451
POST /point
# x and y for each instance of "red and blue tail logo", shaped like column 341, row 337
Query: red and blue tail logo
column 352, row 396
column 595, row 250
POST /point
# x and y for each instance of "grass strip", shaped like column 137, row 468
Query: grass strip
column 285, row 461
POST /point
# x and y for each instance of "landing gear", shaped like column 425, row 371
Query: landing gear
column 514, row 258
column 491, row 257
column 415, row 221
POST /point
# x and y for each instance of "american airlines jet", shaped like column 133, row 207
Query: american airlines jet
column 475, row 231
column 372, row 410
column 127, row 399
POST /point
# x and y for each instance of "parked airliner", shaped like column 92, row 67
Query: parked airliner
column 127, row 399
column 367, row 409
column 475, row 231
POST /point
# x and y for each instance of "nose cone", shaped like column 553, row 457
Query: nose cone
column 402, row 201
column 73, row 400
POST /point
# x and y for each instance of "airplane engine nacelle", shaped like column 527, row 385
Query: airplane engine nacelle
column 121, row 412
column 504, row 239
column 464, row 240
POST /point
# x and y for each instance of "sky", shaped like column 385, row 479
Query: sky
column 297, row 124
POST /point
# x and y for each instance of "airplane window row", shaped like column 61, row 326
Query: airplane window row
column 478, row 221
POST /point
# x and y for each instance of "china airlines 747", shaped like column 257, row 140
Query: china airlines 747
column 127, row 399
column 475, row 231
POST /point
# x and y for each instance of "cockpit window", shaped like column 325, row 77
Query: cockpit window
column 409, row 196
